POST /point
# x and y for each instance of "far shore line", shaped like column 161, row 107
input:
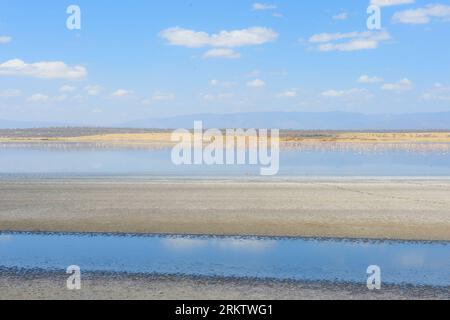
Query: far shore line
column 134, row 136
column 289, row 140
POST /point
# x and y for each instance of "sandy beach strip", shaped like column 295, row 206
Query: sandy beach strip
column 140, row 287
column 379, row 209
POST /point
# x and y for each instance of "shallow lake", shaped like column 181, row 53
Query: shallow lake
column 416, row 263
column 301, row 163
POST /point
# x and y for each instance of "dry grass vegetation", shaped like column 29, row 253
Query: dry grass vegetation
column 133, row 136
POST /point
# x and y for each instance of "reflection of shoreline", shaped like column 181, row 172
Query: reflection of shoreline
column 84, row 146
column 360, row 147
column 368, row 147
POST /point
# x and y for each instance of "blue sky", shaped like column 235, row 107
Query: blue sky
column 144, row 59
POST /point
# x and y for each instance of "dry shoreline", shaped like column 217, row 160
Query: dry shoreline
column 139, row 287
column 381, row 209
column 135, row 136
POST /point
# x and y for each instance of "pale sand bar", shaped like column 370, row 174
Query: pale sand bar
column 380, row 209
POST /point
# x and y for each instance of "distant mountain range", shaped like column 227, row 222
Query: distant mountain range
column 281, row 120
column 304, row 121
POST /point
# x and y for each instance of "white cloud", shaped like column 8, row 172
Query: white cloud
column 225, row 39
column 67, row 88
column 93, row 90
column 10, row 93
column 161, row 96
column 329, row 37
column 122, row 93
column 348, row 94
column 333, row 93
column 221, row 53
column 215, row 97
column 5, row 39
column 288, row 94
column 341, row 16
column 402, row 85
column 438, row 92
column 367, row 79
column 388, row 3
column 355, row 45
column 60, row 98
column 43, row 70
column 352, row 41
column 38, row 97
column 423, row 15
column 263, row 6
column 257, row 83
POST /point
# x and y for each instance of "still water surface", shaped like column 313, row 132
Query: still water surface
column 416, row 263
column 304, row 163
